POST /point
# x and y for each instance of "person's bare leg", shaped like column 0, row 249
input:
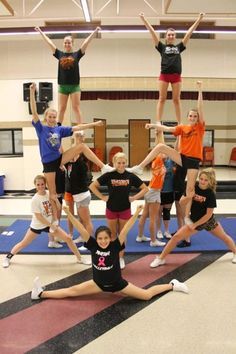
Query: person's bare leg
column 176, row 91
column 170, row 152
column 220, row 233
column 85, row 218
column 142, row 220
column 163, row 87
column 145, row 294
column 75, row 102
column 62, row 104
column 28, row 238
column 61, row 234
column 51, row 184
column 186, row 202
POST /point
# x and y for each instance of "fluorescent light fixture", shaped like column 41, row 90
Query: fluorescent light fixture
column 85, row 9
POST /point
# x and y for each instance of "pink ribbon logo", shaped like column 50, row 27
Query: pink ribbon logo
column 101, row 262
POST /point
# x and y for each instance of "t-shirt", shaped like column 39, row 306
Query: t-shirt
column 170, row 57
column 168, row 185
column 50, row 140
column 203, row 199
column 119, row 187
column 158, row 173
column 105, row 262
column 191, row 139
column 40, row 204
column 70, row 75
column 77, row 176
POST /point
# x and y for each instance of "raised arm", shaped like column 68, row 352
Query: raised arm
column 149, row 27
column 89, row 39
column 129, row 224
column 161, row 128
column 200, row 102
column 192, row 28
column 77, row 224
column 94, row 187
column 33, row 103
column 98, row 123
column 46, row 39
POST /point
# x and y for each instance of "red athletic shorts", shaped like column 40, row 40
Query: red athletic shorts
column 124, row 215
column 170, row 78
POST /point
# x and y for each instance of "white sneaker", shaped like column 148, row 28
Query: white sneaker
column 107, row 168
column 135, row 169
column 187, row 221
column 178, row 286
column 78, row 239
column 54, row 244
column 167, row 234
column 159, row 234
column 82, row 248
column 85, row 261
column 142, row 239
column 157, row 243
column 157, row 262
column 234, row 258
column 37, row 289
column 122, row 263
column 6, row 262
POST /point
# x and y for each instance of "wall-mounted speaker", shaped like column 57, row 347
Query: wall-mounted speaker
column 45, row 91
column 41, row 107
column 26, row 91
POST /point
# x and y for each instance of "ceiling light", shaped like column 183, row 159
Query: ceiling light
column 85, row 9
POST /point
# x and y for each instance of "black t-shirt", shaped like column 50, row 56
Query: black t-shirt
column 77, row 176
column 170, row 57
column 203, row 199
column 70, row 75
column 105, row 262
column 119, row 186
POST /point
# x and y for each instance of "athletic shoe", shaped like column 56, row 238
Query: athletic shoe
column 54, row 244
column 167, row 235
column 135, row 169
column 234, row 258
column 85, row 261
column 187, row 221
column 6, row 262
column 183, row 244
column 178, row 286
column 107, row 168
column 37, row 289
column 122, row 263
column 82, row 248
column 142, row 239
column 157, row 243
column 157, row 262
column 159, row 235
column 78, row 239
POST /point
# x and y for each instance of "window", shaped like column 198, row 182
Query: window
column 11, row 142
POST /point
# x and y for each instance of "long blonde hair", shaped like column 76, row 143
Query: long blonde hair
column 211, row 176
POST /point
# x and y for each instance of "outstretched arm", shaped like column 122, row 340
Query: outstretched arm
column 129, row 224
column 149, row 27
column 87, row 126
column 77, row 224
column 88, row 39
column 33, row 103
column 47, row 39
column 200, row 102
column 160, row 128
column 192, row 28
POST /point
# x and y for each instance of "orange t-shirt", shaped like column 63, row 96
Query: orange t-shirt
column 191, row 139
column 158, row 173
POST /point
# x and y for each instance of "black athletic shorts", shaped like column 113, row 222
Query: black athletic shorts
column 46, row 229
column 167, row 198
column 114, row 287
column 190, row 162
column 179, row 182
column 52, row 166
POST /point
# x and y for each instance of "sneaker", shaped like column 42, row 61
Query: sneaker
column 82, row 248
column 157, row 243
column 85, row 261
column 107, row 168
column 6, row 262
column 234, row 258
column 159, row 235
column 187, row 221
column 142, row 239
column 178, row 286
column 122, row 263
column 78, row 239
column 167, row 235
column 157, row 262
column 37, row 289
column 135, row 169
column 54, row 244
column 183, row 244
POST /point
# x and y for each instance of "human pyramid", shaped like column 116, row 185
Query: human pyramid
column 170, row 166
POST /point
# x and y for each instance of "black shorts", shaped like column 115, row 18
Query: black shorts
column 60, row 181
column 209, row 225
column 46, row 229
column 52, row 166
column 114, row 287
column 177, row 196
column 179, row 182
column 167, row 198
column 190, row 163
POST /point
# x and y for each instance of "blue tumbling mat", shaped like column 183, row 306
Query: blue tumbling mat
column 202, row 241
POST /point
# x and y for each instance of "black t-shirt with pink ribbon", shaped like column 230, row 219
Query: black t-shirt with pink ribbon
column 105, row 261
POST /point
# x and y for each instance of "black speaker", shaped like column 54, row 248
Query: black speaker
column 41, row 107
column 45, row 91
column 26, row 91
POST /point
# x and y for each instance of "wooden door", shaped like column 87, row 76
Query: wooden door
column 100, row 139
column 139, row 140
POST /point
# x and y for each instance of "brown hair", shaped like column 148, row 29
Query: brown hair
column 211, row 176
column 39, row 177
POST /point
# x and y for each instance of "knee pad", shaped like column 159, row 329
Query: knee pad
column 166, row 214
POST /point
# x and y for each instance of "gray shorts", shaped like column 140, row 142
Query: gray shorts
column 83, row 203
column 153, row 196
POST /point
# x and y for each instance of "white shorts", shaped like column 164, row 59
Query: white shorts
column 153, row 196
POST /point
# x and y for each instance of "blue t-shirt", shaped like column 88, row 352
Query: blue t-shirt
column 50, row 140
column 168, row 185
